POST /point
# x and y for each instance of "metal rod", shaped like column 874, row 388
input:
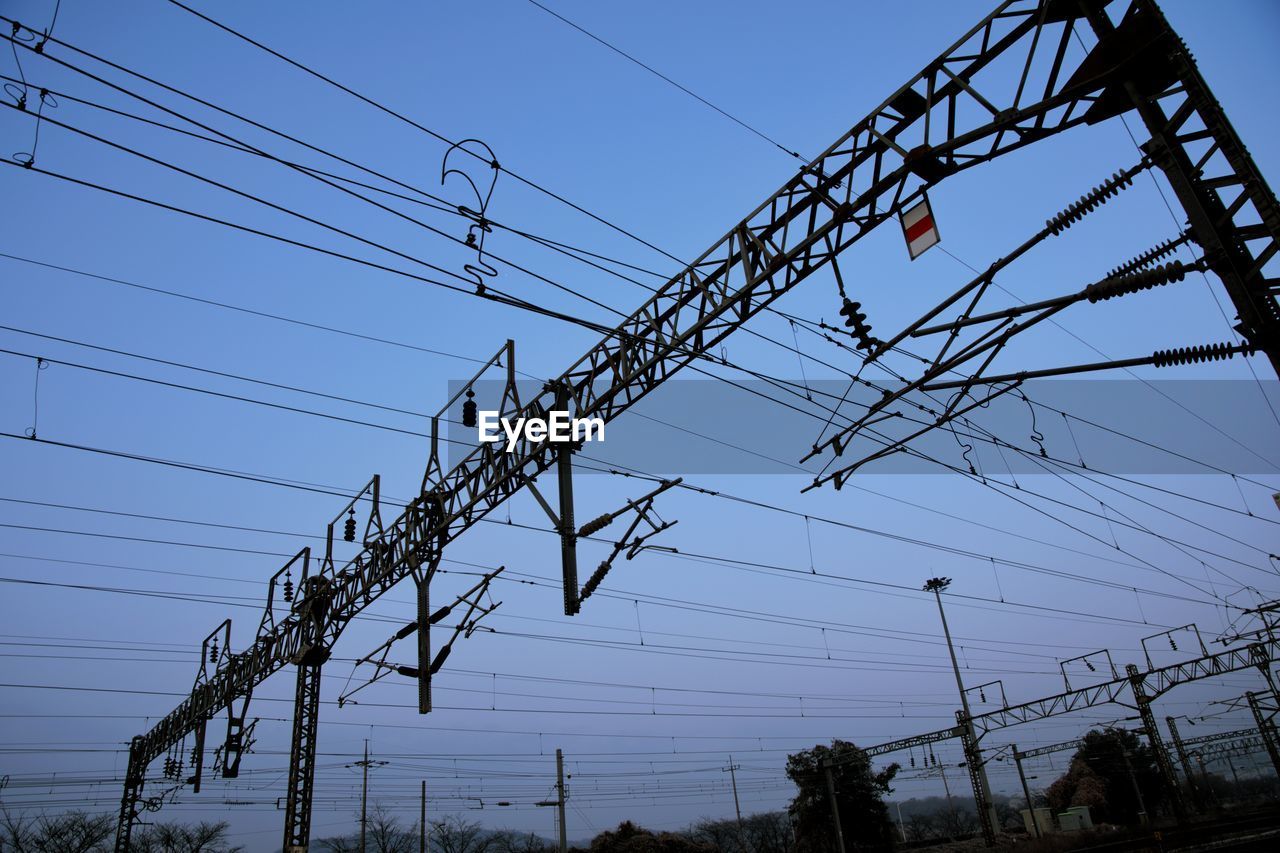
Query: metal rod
column 1026, row 792
column 1065, row 371
column 364, row 795
column 564, row 836
column 978, row 769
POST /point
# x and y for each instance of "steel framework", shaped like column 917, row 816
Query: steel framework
column 957, row 113
column 1232, row 215
column 1145, row 685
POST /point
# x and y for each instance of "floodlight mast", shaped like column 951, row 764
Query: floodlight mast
column 973, row 753
column 949, row 117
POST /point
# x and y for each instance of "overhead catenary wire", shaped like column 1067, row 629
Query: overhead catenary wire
column 744, row 125
column 335, row 492
column 573, row 319
column 247, row 379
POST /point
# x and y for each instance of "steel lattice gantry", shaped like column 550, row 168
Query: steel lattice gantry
column 955, row 114
column 1145, row 686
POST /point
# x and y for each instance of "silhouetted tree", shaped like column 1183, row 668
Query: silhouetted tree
column 510, row 841
column 72, row 832
column 202, row 837
column 629, row 838
column 454, row 834
column 864, row 818
column 1098, row 777
column 81, row 832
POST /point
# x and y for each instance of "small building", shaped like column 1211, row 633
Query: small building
column 1044, row 817
column 1075, row 818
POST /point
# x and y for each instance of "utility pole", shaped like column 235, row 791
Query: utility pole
column 1026, row 791
column 364, row 794
column 835, row 810
column 564, row 837
column 364, row 791
column 558, row 802
column 738, row 809
column 422, row 820
column 951, row 806
column 973, row 753
column 902, row 830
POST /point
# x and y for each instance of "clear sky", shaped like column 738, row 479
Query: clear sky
column 779, row 624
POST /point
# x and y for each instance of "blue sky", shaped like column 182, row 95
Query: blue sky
column 744, row 651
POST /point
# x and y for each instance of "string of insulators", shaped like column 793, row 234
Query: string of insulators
column 1147, row 258
column 1089, row 202
column 856, row 319
column 1092, row 668
column 469, row 410
column 1191, row 355
column 288, row 586
column 594, row 581
column 1159, row 276
column 349, row 529
column 213, row 652
column 1173, row 644
column 982, row 695
column 595, row 525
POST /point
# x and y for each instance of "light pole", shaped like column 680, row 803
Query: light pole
column 979, row 769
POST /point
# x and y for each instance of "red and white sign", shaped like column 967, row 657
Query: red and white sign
column 919, row 228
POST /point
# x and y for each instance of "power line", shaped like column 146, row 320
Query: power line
column 797, row 155
column 401, row 117
column 333, row 492
column 527, row 305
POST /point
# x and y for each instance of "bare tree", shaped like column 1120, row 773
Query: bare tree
column 340, row 844
column 203, row 837
column 768, row 832
column 454, row 834
column 510, row 841
column 720, row 834
column 385, row 834
column 70, row 832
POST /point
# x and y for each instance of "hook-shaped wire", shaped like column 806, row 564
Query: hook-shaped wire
column 480, row 225
column 1036, row 435
column 966, row 448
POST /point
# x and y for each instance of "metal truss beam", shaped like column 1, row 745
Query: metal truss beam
column 1247, row 745
column 912, row 742
column 1202, row 740
column 962, row 110
column 1155, row 682
column 1232, row 211
column 949, row 117
column 1046, row 750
